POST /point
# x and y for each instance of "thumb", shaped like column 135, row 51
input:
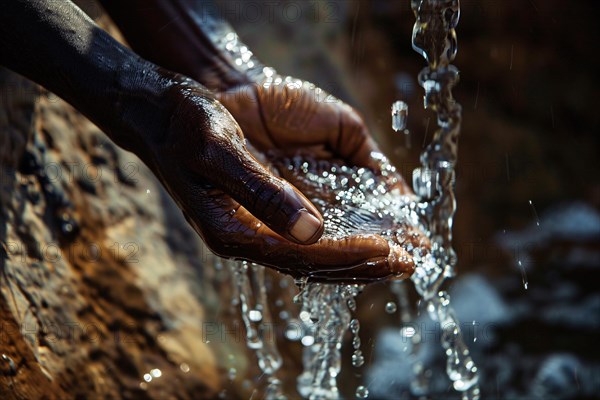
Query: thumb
column 274, row 201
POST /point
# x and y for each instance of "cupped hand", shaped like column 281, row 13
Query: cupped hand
column 288, row 116
column 283, row 117
column 243, row 211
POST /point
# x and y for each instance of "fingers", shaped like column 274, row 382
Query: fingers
column 304, row 115
column 358, row 258
column 212, row 150
column 352, row 142
column 272, row 200
column 232, row 231
column 391, row 263
column 397, row 266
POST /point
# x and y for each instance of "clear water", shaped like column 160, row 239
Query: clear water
column 434, row 37
column 329, row 309
column 399, row 115
column 250, row 289
column 354, row 200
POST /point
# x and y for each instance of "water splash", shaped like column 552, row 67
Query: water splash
column 399, row 115
column 362, row 392
column 434, row 37
column 249, row 280
column 329, row 308
column 390, row 307
column 357, row 201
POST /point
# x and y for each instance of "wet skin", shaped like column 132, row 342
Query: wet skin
column 195, row 146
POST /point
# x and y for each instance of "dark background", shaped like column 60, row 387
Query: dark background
column 528, row 87
column 528, row 153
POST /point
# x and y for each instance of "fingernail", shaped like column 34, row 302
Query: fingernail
column 305, row 227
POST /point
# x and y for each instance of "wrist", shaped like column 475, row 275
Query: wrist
column 193, row 40
column 141, row 104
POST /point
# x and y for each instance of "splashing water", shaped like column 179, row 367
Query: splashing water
column 329, row 308
column 434, row 37
column 352, row 200
column 399, row 115
column 249, row 280
column 355, row 200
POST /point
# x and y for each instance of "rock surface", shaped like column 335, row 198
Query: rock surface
column 102, row 288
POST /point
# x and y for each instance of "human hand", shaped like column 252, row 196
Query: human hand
column 243, row 211
column 278, row 119
column 187, row 138
column 285, row 116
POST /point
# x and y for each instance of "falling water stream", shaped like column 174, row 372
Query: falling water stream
column 356, row 200
column 434, row 37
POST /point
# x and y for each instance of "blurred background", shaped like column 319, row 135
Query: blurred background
column 527, row 229
column 144, row 315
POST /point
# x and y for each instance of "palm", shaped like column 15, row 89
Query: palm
column 225, row 208
column 290, row 116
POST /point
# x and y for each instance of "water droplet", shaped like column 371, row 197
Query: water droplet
column 408, row 331
column 147, row 377
column 305, row 316
column 354, row 326
column 284, row 315
column 297, row 298
column 390, row 307
column 308, row 340
column 255, row 315
column 523, row 275
column 268, row 72
column 352, row 304
column 357, row 359
column 535, row 214
column 399, row 115
column 293, row 331
column 362, row 392
column 231, row 374
column 156, row 373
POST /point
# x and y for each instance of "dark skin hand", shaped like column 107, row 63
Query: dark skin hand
column 195, row 147
column 280, row 116
column 230, row 229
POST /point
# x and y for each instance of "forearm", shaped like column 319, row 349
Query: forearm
column 56, row 45
column 180, row 35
